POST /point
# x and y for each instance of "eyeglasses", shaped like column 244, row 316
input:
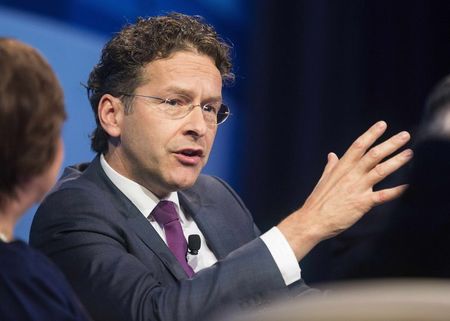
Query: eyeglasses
column 177, row 108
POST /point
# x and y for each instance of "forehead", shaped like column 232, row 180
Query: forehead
column 186, row 69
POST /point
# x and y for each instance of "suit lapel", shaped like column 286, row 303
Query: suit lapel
column 137, row 222
column 209, row 217
column 210, row 221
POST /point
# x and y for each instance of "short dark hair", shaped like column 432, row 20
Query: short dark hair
column 31, row 115
column 129, row 51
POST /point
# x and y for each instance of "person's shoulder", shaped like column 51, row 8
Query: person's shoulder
column 212, row 189
column 82, row 180
column 20, row 260
column 204, row 179
column 76, row 176
column 77, row 192
column 29, row 279
column 13, row 252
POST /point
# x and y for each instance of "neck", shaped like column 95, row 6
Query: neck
column 10, row 213
column 8, row 218
column 6, row 228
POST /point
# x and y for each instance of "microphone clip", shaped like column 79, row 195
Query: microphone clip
column 194, row 244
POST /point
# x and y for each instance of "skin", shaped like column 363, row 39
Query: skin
column 145, row 145
column 345, row 192
column 31, row 191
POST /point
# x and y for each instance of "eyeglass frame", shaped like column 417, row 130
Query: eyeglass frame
column 191, row 106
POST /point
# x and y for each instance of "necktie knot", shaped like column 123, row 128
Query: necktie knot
column 165, row 212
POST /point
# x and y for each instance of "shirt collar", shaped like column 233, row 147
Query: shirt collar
column 140, row 196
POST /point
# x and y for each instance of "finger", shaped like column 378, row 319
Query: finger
column 388, row 194
column 386, row 168
column 381, row 151
column 363, row 142
column 332, row 161
column 356, row 151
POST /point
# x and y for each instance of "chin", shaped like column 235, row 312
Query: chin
column 186, row 181
column 186, row 184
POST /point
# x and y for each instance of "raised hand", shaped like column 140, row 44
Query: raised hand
column 345, row 192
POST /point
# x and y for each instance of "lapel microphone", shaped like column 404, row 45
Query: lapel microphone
column 194, row 244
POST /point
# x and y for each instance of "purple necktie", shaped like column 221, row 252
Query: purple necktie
column 166, row 214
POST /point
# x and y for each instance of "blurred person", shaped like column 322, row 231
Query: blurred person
column 118, row 226
column 374, row 300
column 31, row 152
column 414, row 242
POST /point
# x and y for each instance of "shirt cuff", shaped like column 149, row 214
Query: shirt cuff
column 282, row 254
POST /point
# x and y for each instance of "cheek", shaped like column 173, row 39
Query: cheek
column 48, row 178
column 150, row 140
column 210, row 136
column 209, row 140
column 57, row 161
column 138, row 132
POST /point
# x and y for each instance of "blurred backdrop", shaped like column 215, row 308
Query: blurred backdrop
column 311, row 76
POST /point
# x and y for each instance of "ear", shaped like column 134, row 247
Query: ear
column 110, row 114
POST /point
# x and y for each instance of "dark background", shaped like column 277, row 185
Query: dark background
column 311, row 76
column 321, row 73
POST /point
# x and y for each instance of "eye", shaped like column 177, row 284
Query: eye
column 173, row 102
column 178, row 101
column 210, row 108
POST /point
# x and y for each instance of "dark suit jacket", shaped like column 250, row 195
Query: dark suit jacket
column 121, row 268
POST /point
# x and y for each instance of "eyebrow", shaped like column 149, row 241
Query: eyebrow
column 189, row 93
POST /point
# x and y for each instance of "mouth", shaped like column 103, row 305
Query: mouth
column 189, row 156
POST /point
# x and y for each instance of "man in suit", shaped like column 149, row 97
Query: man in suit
column 118, row 228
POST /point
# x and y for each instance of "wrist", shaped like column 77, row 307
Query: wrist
column 301, row 235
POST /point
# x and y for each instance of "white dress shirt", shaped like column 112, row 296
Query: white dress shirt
column 146, row 201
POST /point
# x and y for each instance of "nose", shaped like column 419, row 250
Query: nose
column 195, row 122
